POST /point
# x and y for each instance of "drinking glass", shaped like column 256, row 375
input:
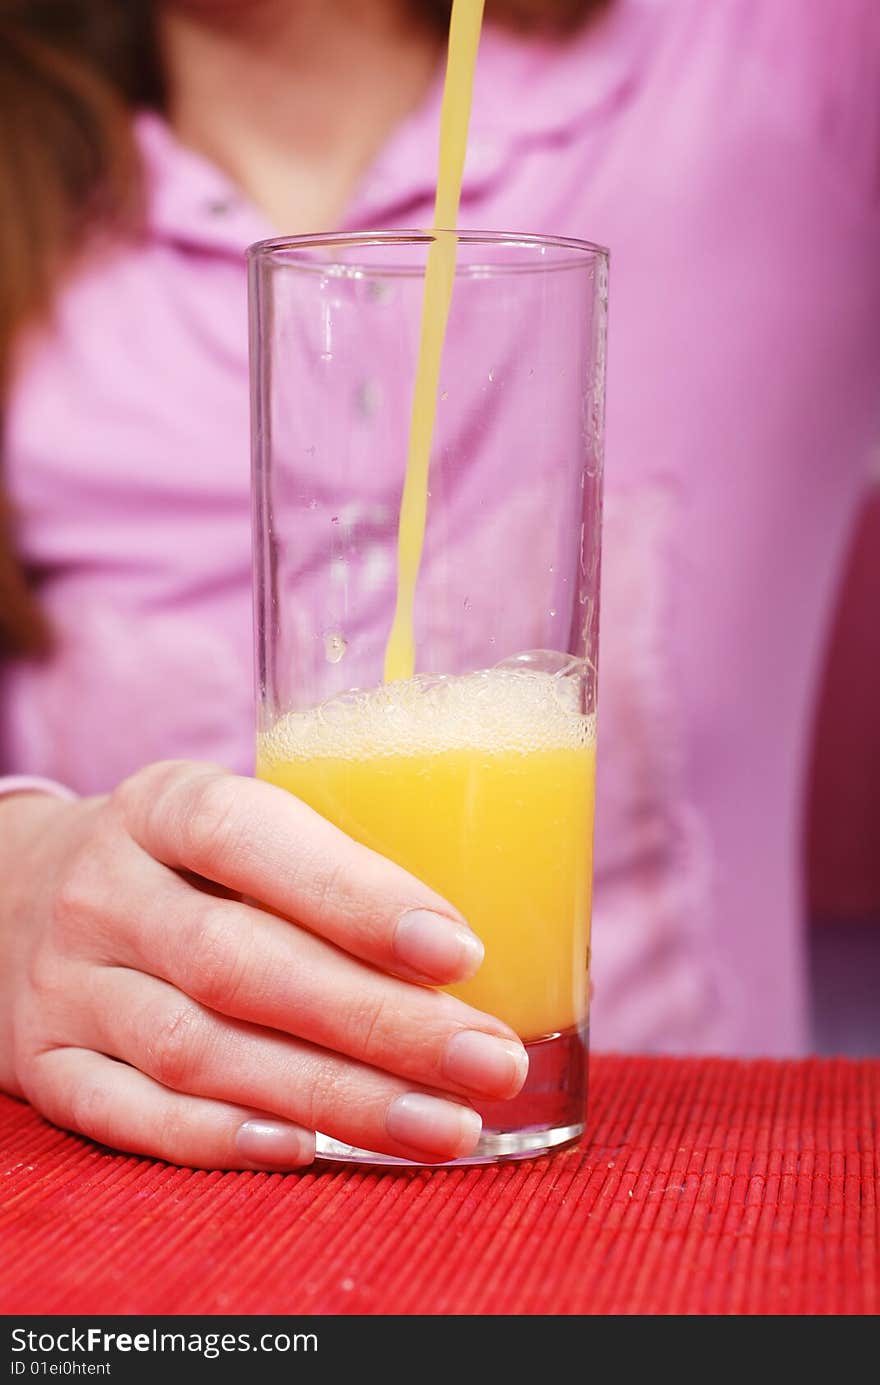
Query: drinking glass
column 476, row 774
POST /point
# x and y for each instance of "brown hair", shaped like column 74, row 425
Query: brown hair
column 70, row 72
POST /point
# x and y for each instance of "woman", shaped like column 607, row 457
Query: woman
column 728, row 154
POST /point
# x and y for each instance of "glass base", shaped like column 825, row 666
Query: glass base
column 548, row 1113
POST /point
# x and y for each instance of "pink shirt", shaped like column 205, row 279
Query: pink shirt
column 729, row 154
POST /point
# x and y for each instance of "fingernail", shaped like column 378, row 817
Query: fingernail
column 437, row 947
column 274, row 1144
column 495, row 1067
column 432, row 1126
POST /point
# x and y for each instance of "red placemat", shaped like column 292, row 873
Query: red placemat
column 703, row 1186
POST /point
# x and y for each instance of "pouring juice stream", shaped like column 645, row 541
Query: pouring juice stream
column 464, row 39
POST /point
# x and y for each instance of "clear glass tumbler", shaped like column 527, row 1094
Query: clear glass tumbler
column 477, row 773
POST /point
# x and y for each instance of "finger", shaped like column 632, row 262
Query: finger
column 260, row 841
column 185, row 1047
column 121, row 1107
column 239, row 961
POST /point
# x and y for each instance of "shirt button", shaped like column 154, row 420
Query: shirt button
column 376, row 567
column 368, row 398
column 380, row 291
column 482, row 155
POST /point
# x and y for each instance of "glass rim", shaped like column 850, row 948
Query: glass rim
column 576, row 254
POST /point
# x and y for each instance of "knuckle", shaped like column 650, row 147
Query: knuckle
column 320, row 1099
column 90, row 1110
column 368, row 1024
column 174, row 1129
column 322, row 880
column 325, row 883
column 209, row 820
column 146, row 785
column 167, row 791
column 27, row 1052
column 171, row 1054
column 216, row 962
column 47, row 979
column 76, row 901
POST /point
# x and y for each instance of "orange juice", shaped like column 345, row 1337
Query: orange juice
column 482, row 786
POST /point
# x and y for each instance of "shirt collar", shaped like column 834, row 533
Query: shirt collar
column 527, row 91
column 190, row 200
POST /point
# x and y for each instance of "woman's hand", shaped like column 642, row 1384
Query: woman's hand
column 153, row 1007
